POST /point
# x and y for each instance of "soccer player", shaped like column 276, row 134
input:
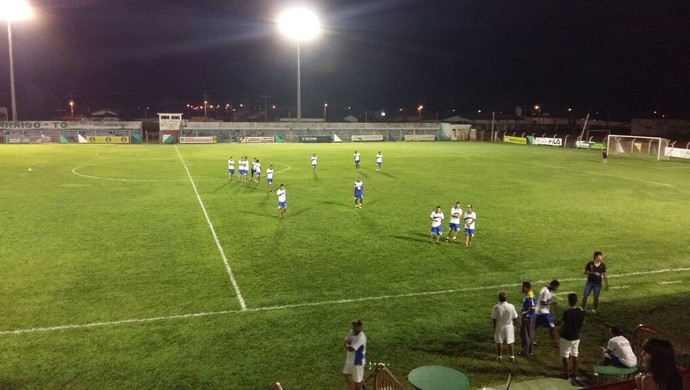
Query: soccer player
column 269, row 178
column 355, row 344
column 595, row 271
column 454, row 225
column 358, row 191
column 379, row 161
column 282, row 201
column 504, row 317
column 356, row 160
column 254, row 160
column 543, row 309
column 231, row 167
column 605, row 156
column 257, row 172
column 436, row 224
column 470, row 217
column 242, row 169
column 313, row 161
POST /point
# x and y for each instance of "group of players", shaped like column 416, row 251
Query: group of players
column 468, row 218
column 243, row 171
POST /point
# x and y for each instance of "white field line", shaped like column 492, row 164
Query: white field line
column 308, row 304
column 243, row 306
column 619, row 287
column 671, row 281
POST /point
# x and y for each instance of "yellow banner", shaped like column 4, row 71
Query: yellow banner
column 107, row 139
column 515, row 140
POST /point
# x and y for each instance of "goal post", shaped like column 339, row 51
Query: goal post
column 637, row 146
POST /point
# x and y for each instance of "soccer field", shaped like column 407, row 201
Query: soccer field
column 143, row 266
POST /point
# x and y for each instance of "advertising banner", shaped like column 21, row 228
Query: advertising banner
column 72, row 125
column 515, row 140
column 367, row 138
column 675, row 152
column 198, row 140
column 107, row 139
column 582, row 144
column 316, row 138
column 257, row 140
column 548, row 141
column 420, row 137
column 590, row 145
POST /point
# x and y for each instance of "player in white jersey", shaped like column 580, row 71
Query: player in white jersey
column 470, row 217
column 379, row 161
column 257, row 172
column 254, row 161
column 454, row 224
column 358, row 192
column 231, row 167
column 436, row 224
column 313, row 161
column 269, row 178
column 282, row 201
column 356, row 160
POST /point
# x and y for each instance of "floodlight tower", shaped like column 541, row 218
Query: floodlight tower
column 299, row 25
column 14, row 11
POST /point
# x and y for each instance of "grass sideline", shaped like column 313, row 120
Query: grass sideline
column 106, row 233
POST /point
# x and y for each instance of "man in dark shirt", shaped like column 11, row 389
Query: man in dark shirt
column 573, row 319
column 595, row 271
column 527, row 320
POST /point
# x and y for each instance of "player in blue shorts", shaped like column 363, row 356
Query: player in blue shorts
column 358, row 191
column 470, row 217
column 269, row 178
column 231, row 167
column 282, row 201
column 436, row 224
column 454, row 225
column 543, row 310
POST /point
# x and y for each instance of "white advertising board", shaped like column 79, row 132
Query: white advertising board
column 548, row 141
column 367, row 138
column 420, row 137
column 257, row 140
column 197, row 140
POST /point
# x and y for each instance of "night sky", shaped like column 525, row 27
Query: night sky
column 625, row 58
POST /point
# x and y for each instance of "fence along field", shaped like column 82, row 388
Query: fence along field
column 126, row 275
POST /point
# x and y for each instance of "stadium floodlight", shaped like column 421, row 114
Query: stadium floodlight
column 14, row 11
column 300, row 25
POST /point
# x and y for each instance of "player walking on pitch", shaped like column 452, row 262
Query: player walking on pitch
column 356, row 160
column 231, row 168
column 269, row 178
column 358, row 191
column 436, row 224
column 454, row 225
column 470, row 218
column 379, row 161
column 282, row 201
column 313, row 161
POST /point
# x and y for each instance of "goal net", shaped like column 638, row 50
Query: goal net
column 637, row 146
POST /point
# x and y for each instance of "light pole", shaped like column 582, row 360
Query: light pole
column 71, row 107
column 325, row 111
column 300, row 25
column 419, row 109
column 538, row 108
column 12, row 11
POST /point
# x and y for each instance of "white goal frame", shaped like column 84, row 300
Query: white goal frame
column 637, row 146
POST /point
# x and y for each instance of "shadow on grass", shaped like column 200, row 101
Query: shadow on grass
column 412, row 237
column 387, row 174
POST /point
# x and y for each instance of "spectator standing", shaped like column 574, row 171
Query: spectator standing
column 504, row 317
column 595, row 271
column 527, row 320
column 573, row 319
column 355, row 344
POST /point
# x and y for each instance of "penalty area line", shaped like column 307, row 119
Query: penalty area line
column 306, row 304
column 215, row 236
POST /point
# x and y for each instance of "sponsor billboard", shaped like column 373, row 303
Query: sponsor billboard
column 548, row 141
column 367, row 138
column 420, row 137
column 679, row 153
column 316, row 138
column 198, row 140
column 515, row 140
column 257, row 140
column 590, row 145
column 107, row 139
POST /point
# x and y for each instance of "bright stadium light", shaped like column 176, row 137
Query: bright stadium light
column 300, row 25
column 13, row 11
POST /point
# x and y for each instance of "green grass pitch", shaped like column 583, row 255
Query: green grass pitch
column 111, row 277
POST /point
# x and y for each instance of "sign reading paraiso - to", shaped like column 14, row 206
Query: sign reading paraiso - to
column 548, row 141
column 198, row 140
column 367, row 138
column 316, row 138
column 107, row 139
column 72, row 125
column 515, row 140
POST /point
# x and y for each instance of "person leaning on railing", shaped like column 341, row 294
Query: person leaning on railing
column 662, row 371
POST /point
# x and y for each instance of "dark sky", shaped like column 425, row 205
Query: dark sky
column 622, row 57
